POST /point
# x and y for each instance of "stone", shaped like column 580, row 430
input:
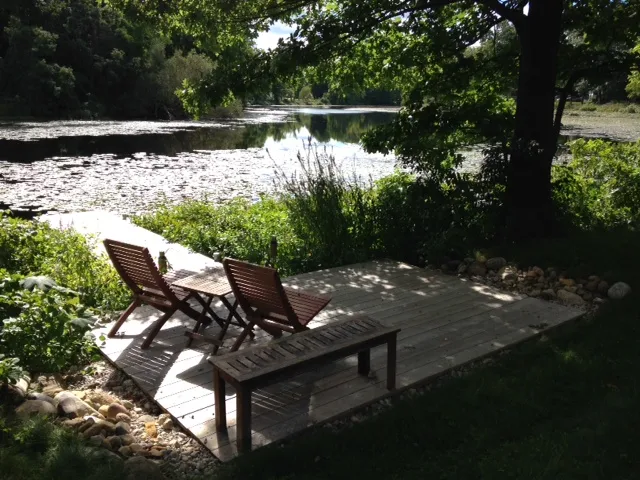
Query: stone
column 587, row 296
column 122, row 428
column 537, row 271
column 101, row 426
column 157, row 452
column 603, row 287
column 147, row 418
column 569, row 298
column 567, row 282
column 508, row 272
column 496, row 263
column 592, row 285
column 100, row 397
column 79, row 394
column 125, row 451
column 151, row 429
column 462, row 268
column 163, row 418
column 51, row 386
column 548, row 294
column 71, row 406
column 136, row 448
column 168, row 425
column 41, row 396
column 104, row 410
column 114, row 409
column 477, row 268
column 618, row 291
column 74, row 423
column 121, row 417
column 87, row 422
column 115, row 442
column 573, row 289
column 139, row 468
column 127, row 404
column 127, row 439
column 33, row 408
column 535, row 292
column 96, row 440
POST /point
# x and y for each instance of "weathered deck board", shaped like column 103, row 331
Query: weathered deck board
column 445, row 323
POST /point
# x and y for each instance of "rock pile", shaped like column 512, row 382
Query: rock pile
column 132, row 428
column 547, row 284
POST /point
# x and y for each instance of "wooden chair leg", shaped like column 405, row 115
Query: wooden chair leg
column 364, row 362
column 242, row 336
column 199, row 323
column 135, row 304
column 243, row 420
column 156, row 328
column 391, row 363
column 220, row 399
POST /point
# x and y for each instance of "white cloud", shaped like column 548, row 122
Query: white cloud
column 268, row 40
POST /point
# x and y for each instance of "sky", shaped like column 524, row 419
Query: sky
column 278, row 30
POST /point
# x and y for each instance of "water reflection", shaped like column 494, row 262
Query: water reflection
column 334, row 128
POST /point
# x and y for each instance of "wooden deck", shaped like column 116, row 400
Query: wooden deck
column 445, row 321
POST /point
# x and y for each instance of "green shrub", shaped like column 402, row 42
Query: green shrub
column 38, row 448
column 10, row 370
column 600, row 188
column 48, row 330
column 35, row 248
column 237, row 229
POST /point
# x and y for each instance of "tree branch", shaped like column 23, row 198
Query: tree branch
column 514, row 16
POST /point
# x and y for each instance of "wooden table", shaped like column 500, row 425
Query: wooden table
column 263, row 365
column 212, row 284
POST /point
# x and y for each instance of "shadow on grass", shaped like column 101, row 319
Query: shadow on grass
column 564, row 407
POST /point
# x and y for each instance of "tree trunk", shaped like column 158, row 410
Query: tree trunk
column 529, row 206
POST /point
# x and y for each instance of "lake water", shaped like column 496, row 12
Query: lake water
column 126, row 167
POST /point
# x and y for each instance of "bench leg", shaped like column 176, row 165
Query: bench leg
column 220, row 399
column 391, row 363
column 364, row 362
column 243, row 420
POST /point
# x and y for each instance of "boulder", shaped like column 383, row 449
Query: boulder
column 122, row 428
column 121, row 417
column 41, row 396
column 100, row 426
column 32, row 408
column 73, row 423
column 114, row 409
column 115, row 442
column 618, row 291
column 548, row 294
column 567, row 282
column 603, row 287
column 477, row 268
column 125, row 451
column 71, row 406
column 496, row 263
column 508, row 272
column 127, row 439
column 592, row 285
column 104, row 410
column 569, row 298
column 140, row 468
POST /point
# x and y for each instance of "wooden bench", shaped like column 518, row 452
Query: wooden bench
column 260, row 366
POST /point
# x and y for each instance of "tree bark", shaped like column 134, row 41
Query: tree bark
column 528, row 198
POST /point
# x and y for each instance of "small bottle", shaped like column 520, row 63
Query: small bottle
column 163, row 265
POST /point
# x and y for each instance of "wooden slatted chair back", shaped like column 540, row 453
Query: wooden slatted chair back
column 137, row 268
column 259, row 291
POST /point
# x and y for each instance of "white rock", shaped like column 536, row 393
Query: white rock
column 619, row 290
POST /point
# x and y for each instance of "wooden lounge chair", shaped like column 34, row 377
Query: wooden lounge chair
column 140, row 273
column 266, row 303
